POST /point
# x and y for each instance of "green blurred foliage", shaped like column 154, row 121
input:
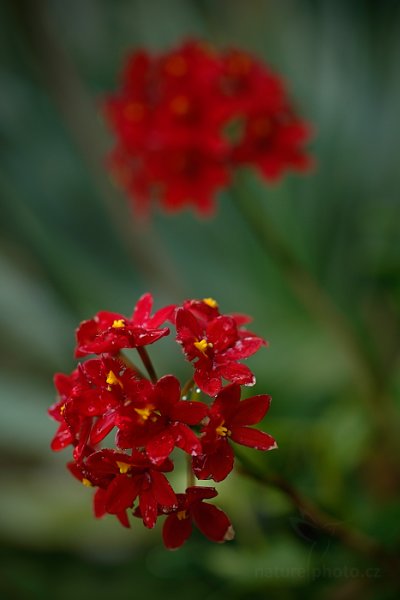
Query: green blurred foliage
column 63, row 257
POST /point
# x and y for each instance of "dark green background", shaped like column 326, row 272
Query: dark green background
column 69, row 248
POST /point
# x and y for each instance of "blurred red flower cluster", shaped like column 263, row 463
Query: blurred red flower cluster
column 151, row 417
column 186, row 119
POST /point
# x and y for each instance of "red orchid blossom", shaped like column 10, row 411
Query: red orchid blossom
column 173, row 119
column 216, row 345
column 121, row 478
column 229, row 419
column 158, row 420
column 211, row 521
column 109, row 331
column 152, row 417
column 89, row 399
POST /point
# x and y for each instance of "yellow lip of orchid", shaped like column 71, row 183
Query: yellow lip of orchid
column 222, row 430
column 118, row 324
column 123, row 467
column 202, row 345
column 145, row 412
column 210, row 302
column 112, row 379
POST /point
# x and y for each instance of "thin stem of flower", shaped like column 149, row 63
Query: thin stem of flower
column 191, row 480
column 187, row 388
column 147, row 363
column 352, row 538
column 128, row 363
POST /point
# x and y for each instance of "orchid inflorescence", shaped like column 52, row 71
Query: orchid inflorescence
column 151, row 417
column 185, row 120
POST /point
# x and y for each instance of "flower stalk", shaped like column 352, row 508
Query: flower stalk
column 131, row 365
column 187, row 388
column 352, row 538
column 146, row 360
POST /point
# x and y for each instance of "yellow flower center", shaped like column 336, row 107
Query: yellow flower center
column 202, row 345
column 86, row 482
column 145, row 412
column 62, row 409
column 123, row 467
column 182, row 514
column 112, row 379
column 222, row 430
column 210, row 302
column 118, row 324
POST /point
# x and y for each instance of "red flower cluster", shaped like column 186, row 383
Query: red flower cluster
column 151, row 417
column 184, row 120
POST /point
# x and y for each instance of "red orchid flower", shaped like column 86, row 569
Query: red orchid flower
column 109, row 332
column 158, row 420
column 154, row 416
column 211, row 521
column 229, row 419
column 89, row 399
column 121, row 478
column 216, row 347
column 174, row 119
column 273, row 143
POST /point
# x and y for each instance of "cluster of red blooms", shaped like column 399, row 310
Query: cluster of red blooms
column 186, row 119
column 153, row 416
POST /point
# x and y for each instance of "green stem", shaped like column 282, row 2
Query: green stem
column 187, row 388
column 191, row 480
column 147, row 363
column 127, row 362
column 352, row 538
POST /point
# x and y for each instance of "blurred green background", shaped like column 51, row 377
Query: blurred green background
column 69, row 248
